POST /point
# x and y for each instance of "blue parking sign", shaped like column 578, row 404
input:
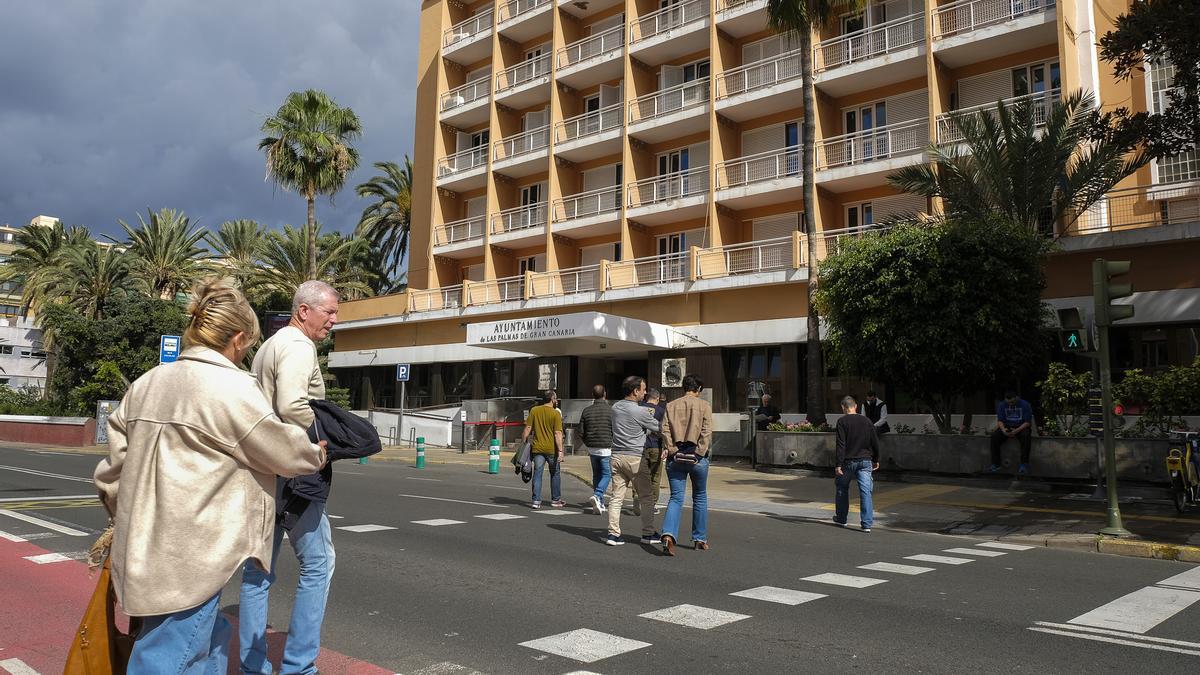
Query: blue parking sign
column 402, row 370
column 168, row 348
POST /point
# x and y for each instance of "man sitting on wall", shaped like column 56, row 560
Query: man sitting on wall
column 1014, row 419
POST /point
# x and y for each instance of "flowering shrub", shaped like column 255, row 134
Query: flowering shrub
column 797, row 427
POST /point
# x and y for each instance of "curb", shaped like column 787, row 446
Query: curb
column 1131, row 548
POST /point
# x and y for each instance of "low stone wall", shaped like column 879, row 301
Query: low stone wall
column 74, row 432
column 1050, row 457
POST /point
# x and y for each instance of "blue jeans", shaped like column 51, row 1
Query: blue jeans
column 601, row 475
column 860, row 470
column 193, row 642
column 677, row 476
column 540, row 461
column 311, row 540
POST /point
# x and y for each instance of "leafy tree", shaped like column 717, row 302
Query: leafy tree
column 106, row 384
column 1064, row 398
column 940, row 310
column 167, row 254
column 385, row 222
column 308, row 150
column 1030, row 174
column 89, row 275
column 1163, row 398
column 38, row 259
column 238, row 245
column 285, row 268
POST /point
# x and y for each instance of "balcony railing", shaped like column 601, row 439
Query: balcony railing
column 660, row 269
column 669, row 186
column 967, row 15
column 1042, row 102
column 591, row 203
column 459, row 230
column 433, row 299
column 515, row 8
column 860, row 45
column 1143, row 206
column 508, row 289
column 767, row 255
column 592, row 123
column 590, row 47
column 465, row 95
column 462, row 161
column 523, row 72
column 668, row 19
column 873, row 144
column 468, row 29
column 729, row 5
column 759, row 75
column 584, row 279
column 530, row 141
column 687, row 95
column 519, row 218
column 759, row 167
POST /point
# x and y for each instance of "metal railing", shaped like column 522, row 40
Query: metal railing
column 872, row 144
column 667, row 19
column 592, row 46
column 687, row 95
column 590, row 203
column 523, row 72
column 767, row 255
column 507, row 289
column 877, row 40
column 529, row 141
column 466, row 160
column 967, row 15
column 1042, row 101
column 759, row 167
column 759, row 75
column 433, row 299
column 661, row 269
column 459, row 230
column 669, row 186
column 519, row 218
column 465, row 95
column 584, row 279
column 515, row 8
column 589, row 124
column 1142, row 206
column 465, row 30
column 729, row 5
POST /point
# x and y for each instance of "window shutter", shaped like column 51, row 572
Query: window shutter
column 774, row 227
column 985, row 89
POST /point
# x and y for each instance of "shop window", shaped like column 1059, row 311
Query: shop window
column 753, row 372
column 497, row 379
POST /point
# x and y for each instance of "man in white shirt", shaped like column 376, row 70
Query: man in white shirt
column 876, row 411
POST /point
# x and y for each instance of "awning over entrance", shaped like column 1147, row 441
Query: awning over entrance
column 575, row 334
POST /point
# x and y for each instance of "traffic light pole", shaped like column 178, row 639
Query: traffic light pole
column 1114, row 528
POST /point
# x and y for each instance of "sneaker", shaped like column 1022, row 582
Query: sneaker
column 651, row 539
column 838, row 522
column 993, row 468
column 1024, row 468
column 614, row 540
column 597, row 505
column 535, row 505
column 866, row 529
column 558, row 503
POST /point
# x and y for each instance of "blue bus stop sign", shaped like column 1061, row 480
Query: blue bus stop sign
column 402, row 370
column 168, row 348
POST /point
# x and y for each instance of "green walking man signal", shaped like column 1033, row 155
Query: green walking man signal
column 1073, row 337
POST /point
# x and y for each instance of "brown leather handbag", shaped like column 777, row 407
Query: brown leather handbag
column 100, row 648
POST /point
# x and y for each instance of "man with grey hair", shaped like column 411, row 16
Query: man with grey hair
column 288, row 371
column 856, row 456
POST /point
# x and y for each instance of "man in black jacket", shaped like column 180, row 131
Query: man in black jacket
column 855, row 458
column 595, row 429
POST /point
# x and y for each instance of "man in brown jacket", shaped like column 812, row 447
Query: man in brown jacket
column 687, row 437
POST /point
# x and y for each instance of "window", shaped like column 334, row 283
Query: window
column 10, row 310
column 6, row 350
column 859, row 217
column 753, row 372
column 498, row 378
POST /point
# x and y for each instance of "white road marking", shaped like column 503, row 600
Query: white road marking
column 1005, row 546
column 834, row 579
column 1115, row 641
column 438, row 522
column 924, row 557
column 456, row 501
column 433, row 480
column 694, row 616
column 894, row 567
column 500, row 516
column 365, row 528
column 47, row 474
column 1140, row 610
column 12, row 537
column 585, row 645
column 447, row 668
column 582, row 672
column 975, row 551
column 1189, row 579
column 47, row 558
column 330, row 515
column 1120, row 634
column 17, row 667
column 61, row 529
column 783, row 596
column 55, row 498
column 507, row 487
column 559, row 512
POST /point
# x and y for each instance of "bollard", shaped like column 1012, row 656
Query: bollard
column 494, row 456
column 420, row 452
column 362, row 460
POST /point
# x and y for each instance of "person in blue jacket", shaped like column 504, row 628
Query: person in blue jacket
column 1014, row 419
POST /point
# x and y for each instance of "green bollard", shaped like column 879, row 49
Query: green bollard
column 362, row 460
column 494, row 456
column 420, row 452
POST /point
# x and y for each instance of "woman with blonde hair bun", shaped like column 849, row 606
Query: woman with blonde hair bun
column 194, row 449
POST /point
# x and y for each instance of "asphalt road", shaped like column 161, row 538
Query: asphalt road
column 464, row 596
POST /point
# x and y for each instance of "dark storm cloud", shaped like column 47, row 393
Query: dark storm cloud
column 110, row 108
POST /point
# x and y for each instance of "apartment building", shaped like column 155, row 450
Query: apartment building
column 606, row 187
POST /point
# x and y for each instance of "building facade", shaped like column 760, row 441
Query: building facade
column 612, row 187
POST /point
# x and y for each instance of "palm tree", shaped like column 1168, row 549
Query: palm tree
column 36, row 261
column 803, row 17
column 166, row 251
column 285, row 264
column 308, row 150
column 385, row 222
column 238, row 245
column 90, row 274
column 1032, row 175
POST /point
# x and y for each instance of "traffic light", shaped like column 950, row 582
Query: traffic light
column 1072, row 337
column 1104, row 291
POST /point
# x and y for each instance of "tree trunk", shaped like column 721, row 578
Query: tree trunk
column 815, row 397
column 312, row 237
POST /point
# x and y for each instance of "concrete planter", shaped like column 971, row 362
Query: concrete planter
column 1050, row 457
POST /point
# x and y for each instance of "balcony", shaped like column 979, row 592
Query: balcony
column 669, row 198
column 469, row 41
column 522, row 155
column 466, row 106
column 864, row 158
column 592, row 60
column 752, row 257
column 433, row 299
column 671, row 113
column 670, row 33
column 507, row 289
column 871, row 58
column 760, row 88
column 969, row 31
column 1140, row 208
column 462, row 171
column 588, row 214
column 740, row 18
column 461, row 238
column 948, row 132
column 520, row 226
column 525, row 84
column 523, row 20
column 590, row 136
column 772, row 177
